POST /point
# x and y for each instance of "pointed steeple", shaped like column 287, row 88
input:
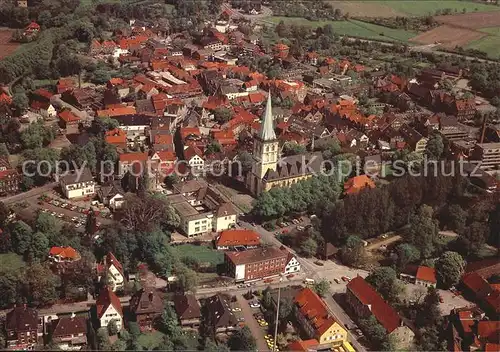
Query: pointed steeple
column 266, row 132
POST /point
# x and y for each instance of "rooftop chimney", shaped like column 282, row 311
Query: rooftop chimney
column 150, row 296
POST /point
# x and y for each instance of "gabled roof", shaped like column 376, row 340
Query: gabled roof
column 133, row 157
column 302, row 345
column 256, row 255
column 145, row 302
column 191, row 152
column 187, row 306
column 357, row 183
column 70, row 326
column 105, row 299
column 220, row 311
column 22, row 319
column 312, row 307
column 116, row 136
column 68, row 116
column 383, row 312
column 426, row 273
column 489, row 331
column 238, row 238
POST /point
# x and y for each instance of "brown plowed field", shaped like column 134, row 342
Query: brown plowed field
column 6, row 46
column 474, row 20
column 448, row 36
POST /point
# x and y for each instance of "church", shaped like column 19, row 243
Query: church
column 269, row 169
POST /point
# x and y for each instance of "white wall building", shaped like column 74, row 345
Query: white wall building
column 77, row 184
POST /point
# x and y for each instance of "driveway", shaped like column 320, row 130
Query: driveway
column 252, row 324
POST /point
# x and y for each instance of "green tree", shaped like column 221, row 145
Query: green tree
column 4, row 152
column 353, row 253
column 309, row 247
column 20, row 102
column 187, row 279
column 242, row 340
column 429, row 313
column 246, row 161
column 213, row 148
column 169, row 323
column 423, row 232
column 212, row 346
column 267, row 299
column 449, row 269
column 292, row 148
column 223, row 115
column 435, row 146
column 455, row 218
column 22, row 237
column 374, row 331
column 91, row 223
column 322, row 287
column 39, row 246
column 406, row 254
column 48, row 225
column 102, row 338
column 41, row 285
column 385, row 281
column 112, row 327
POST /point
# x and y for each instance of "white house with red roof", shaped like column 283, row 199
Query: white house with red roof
column 114, row 271
column 420, row 275
column 292, row 264
column 109, row 308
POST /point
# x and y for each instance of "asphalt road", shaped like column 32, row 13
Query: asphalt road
column 314, row 272
column 252, row 324
column 35, row 192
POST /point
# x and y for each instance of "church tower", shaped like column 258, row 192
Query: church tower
column 265, row 149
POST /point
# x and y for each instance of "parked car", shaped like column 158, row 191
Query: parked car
column 336, row 280
column 345, row 279
column 441, row 299
column 300, row 228
column 254, row 304
column 237, row 309
column 317, row 262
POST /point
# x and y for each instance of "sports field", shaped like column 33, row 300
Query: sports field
column 353, row 28
column 391, row 8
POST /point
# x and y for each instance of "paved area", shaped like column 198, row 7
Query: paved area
column 252, row 324
column 31, row 194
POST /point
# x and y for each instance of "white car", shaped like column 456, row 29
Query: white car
column 237, row 309
column 74, row 219
column 60, row 216
column 255, row 304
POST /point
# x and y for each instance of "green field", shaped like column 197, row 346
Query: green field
column 353, row 28
column 426, row 7
column 490, row 44
column 202, row 254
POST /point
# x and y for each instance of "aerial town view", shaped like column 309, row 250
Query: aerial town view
column 250, row 175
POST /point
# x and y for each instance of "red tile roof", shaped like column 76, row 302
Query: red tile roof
column 190, row 152
column 224, row 137
column 5, row 99
column 383, row 312
column 425, row 273
column 302, row 345
column 312, row 307
column 492, row 347
column 116, row 136
column 105, row 299
column 68, row 116
column 186, row 131
column 357, row 183
column 166, row 156
column 230, row 238
column 163, row 139
column 489, row 331
column 64, row 252
column 131, row 157
column 126, row 110
column 466, row 320
column 43, row 93
column 256, row 255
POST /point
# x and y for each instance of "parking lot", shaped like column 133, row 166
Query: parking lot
column 257, row 331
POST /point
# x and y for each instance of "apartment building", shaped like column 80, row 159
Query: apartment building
column 488, row 154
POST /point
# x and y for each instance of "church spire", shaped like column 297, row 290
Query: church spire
column 266, row 132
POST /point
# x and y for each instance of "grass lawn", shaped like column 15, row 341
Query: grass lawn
column 150, row 341
column 353, row 28
column 426, row 7
column 11, row 262
column 202, row 253
column 489, row 44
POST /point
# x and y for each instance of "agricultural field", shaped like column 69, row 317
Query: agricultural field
column 391, row 8
column 448, row 37
column 6, row 46
column 353, row 28
column 489, row 44
column 472, row 20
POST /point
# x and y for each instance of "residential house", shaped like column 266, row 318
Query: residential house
column 64, row 255
column 9, row 178
column 166, row 162
column 202, row 208
column 420, row 275
column 116, row 137
column 256, row 264
column 83, row 98
column 315, row 320
column 111, row 195
column 77, row 184
column 130, row 162
column 488, row 154
column 147, row 307
column 355, row 184
column 70, row 333
column 68, row 118
column 413, row 139
column 113, row 270
column 194, row 158
column 483, row 292
column 109, row 308
column 44, row 108
column 365, row 301
column 220, row 316
column 22, row 328
column 231, row 239
column 188, row 310
column 292, row 264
